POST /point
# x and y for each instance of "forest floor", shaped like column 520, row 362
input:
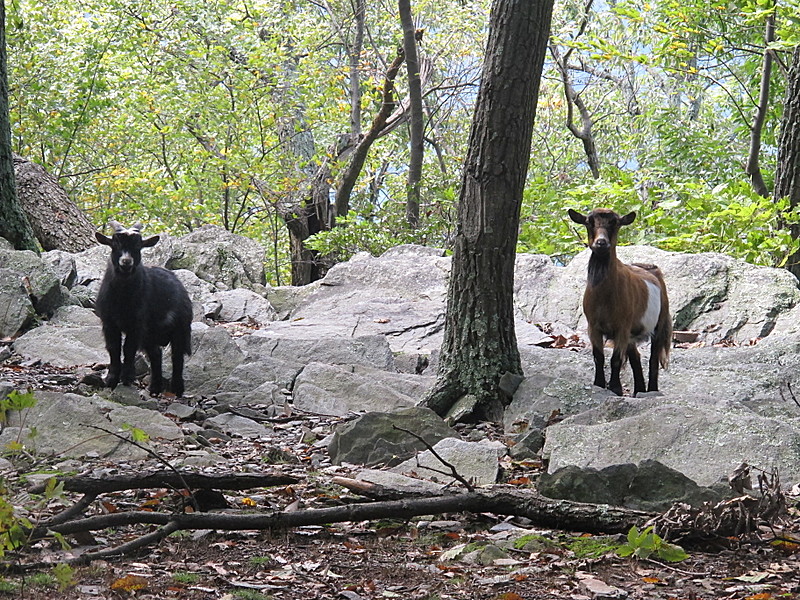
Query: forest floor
column 370, row 560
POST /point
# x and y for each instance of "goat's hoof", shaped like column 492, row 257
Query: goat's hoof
column 156, row 387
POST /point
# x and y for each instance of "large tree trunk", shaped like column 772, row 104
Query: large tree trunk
column 480, row 344
column 56, row 221
column 14, row 225
column 787, row 176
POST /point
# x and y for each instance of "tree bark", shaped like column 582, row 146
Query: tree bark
column 56, row 221
column 480, row 344
column 14, row 225
column 417, row 121
column 787, row 176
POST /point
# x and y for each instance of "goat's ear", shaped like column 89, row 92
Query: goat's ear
column 577, row 217
column 151, row 241
column 106, row 241
column 628, row 219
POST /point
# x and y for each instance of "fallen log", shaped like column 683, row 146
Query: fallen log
column 558, row 514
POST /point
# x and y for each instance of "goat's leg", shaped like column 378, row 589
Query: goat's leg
column 156, row 375
column 129, row 349
column 636, row 366
column 599, row 359
column 176, row 383
column 614, row 384
column 652, row 382
column 113, row 337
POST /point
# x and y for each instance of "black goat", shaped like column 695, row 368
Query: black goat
column 148, row 304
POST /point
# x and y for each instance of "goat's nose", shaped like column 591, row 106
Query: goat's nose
column 601, row 243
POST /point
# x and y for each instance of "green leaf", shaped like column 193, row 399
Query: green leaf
column 671, row 552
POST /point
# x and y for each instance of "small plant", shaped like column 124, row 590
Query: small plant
column 260, row 560
column 185, row 578
column 592, row 547
column 8, row 588
column 15, row 400
column 534, row 543
column 647, row 544
column 64, row 576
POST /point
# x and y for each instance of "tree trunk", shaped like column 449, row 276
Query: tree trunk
column 480, row 344
column 753, row 168
column 787, row 176
column 354, row 53
column 376, row 130
column 304, row 220
column 417, row 121
column 14, row 226
column 56, row 221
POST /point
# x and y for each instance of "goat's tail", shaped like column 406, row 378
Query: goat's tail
column 662, row 337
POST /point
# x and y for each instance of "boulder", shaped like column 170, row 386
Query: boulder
column 214, row 356
column 295, row 344
column 15, row 306
column 372, row 439
column 339, row 390
column 244, row 305
column 235, row 425
column 248, row 376
column 477, row 462
column 400, row 295
column 72, row 337
column 719, row 296
column 702, row 438
column 220, row 257
column 28, row 287
column 62, row 424
column 649, row 486
column 63, row 265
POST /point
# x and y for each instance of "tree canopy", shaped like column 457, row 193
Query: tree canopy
column 247, row 115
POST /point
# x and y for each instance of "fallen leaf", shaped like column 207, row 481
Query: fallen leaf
column 753, row 577
column 520, row 481
column 129, row 583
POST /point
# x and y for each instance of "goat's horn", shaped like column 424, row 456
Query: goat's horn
column 117, row 226
column 137, row 227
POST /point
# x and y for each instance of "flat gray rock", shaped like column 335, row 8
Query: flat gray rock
column 62, row 424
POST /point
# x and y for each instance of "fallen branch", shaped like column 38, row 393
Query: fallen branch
column 169, row 479
column 453, row 471
column 562, row 514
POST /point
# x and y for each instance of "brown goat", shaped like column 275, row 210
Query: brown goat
column 627, row 304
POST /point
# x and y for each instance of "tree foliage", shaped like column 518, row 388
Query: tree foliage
column 223, row 112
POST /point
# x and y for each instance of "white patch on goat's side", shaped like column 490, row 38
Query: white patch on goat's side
column 650, row 316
